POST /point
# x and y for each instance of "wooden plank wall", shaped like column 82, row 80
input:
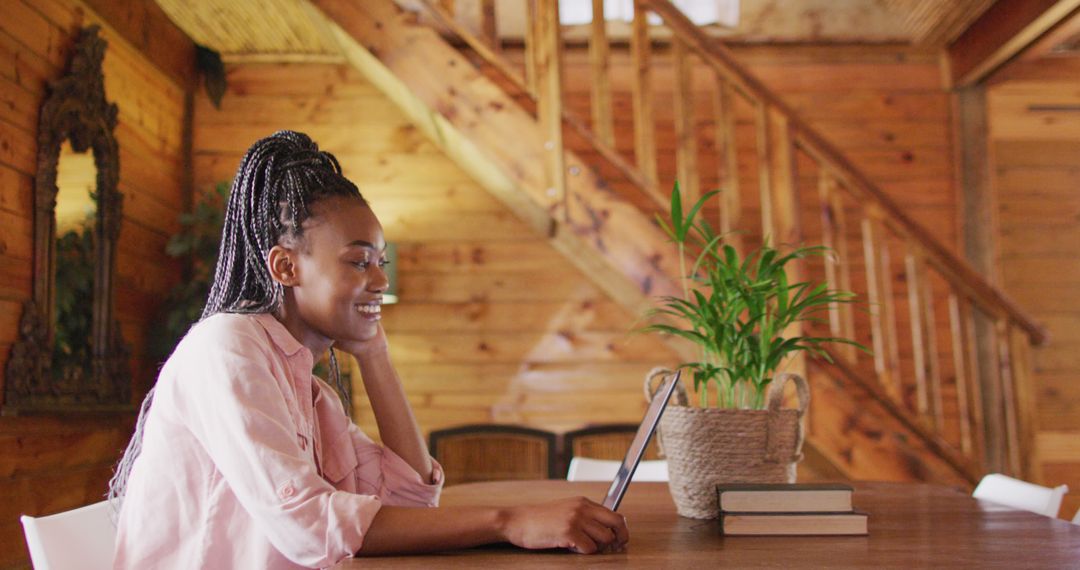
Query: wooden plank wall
column 51, row 464
column 1035, row 153
column 494, row 325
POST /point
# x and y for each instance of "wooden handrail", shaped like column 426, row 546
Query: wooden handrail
column 952, row 267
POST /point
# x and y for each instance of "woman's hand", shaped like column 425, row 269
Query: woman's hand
column 577, row 524
column 361, row 349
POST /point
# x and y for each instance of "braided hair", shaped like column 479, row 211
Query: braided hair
column 279, row 179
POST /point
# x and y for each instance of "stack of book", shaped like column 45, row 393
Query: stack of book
column 789, row 510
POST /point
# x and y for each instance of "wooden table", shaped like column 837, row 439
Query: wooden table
column 911, row 525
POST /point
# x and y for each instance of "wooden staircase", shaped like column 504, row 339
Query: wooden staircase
column 947, row 399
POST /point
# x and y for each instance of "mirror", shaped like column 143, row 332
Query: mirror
column 73, row 294
column 70, row 355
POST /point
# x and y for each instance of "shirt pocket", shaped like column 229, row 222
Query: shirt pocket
column 339, row 462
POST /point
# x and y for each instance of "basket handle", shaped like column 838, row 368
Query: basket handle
column 654, row 380
column 776, row 399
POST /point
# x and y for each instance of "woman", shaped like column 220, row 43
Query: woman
column 243, row 459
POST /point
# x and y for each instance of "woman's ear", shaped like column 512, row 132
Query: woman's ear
column 283, row 265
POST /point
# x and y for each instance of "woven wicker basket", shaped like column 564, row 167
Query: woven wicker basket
column 706, row 446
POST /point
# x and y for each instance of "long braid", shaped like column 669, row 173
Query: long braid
column 279, row 179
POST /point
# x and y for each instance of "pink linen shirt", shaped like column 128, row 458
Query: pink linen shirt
column 248, row 460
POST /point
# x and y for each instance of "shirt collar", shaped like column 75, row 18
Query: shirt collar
column 280, row 335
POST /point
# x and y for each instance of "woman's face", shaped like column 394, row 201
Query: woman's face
column 339, row 271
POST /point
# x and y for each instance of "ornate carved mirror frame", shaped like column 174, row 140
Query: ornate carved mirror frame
column 75, row 110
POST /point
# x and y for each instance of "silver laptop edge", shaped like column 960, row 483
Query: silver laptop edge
column 641, row 440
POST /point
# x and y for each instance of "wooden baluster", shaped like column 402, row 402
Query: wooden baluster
column 549, row 101
column 918, row 332
column 933, row 355
column 826, row 185
column 890, row 312
column 1008, row 398
column 488, row 24
column 960, row 371
column 838, row 261
column 1025, row 404
column 764, row 172
column 599, row 61
column 971, row 352
column 784, row 193
column 879, row 293
column 641, row 91
column 685, row 134
column 924, row 338
column 530, row 46
column 728, row 162
column 784, row 207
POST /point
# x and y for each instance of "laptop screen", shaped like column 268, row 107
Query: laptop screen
column 641, row 439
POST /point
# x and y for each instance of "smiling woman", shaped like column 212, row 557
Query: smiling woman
column 242, row 458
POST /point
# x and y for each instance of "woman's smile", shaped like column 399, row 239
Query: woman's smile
column 370, row 311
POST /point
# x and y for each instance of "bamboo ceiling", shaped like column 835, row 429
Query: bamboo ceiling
column 277, row 30
column 936, row 23
column 284, row 30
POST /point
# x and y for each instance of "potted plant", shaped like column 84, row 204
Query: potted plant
column 736, row 310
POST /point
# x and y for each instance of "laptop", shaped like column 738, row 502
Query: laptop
column 641, row 439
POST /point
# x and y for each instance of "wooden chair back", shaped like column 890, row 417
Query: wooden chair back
column 605, row 441
column 495, row 452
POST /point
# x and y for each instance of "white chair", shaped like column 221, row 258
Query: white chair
column 1076, row 517
column 588, row 469
column 79, row 539
column 1005, row 490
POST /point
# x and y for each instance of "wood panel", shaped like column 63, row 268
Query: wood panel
column 52, row 464
column 1035, row 149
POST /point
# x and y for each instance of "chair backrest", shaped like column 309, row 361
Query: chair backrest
column 588, row 469
column 606, row 441
column 1005, row 490
column 494, row 452
column 79, row 539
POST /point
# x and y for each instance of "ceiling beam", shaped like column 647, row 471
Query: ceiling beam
column 1044, row 69
column 1067, row 29
column 1006, row 29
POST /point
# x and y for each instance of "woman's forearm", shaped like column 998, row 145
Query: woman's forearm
column 576, row 523
column 404, row 530
column 393, row 415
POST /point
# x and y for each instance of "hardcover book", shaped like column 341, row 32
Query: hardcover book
column 793, row 524
column 787, row 498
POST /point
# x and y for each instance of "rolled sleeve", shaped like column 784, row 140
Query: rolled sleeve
column 239, row 411
column 385, row 473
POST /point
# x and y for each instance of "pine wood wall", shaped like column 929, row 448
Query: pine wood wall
column 1035, row 152
column 52, row 464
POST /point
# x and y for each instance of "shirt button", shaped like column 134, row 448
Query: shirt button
column 286, row 491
